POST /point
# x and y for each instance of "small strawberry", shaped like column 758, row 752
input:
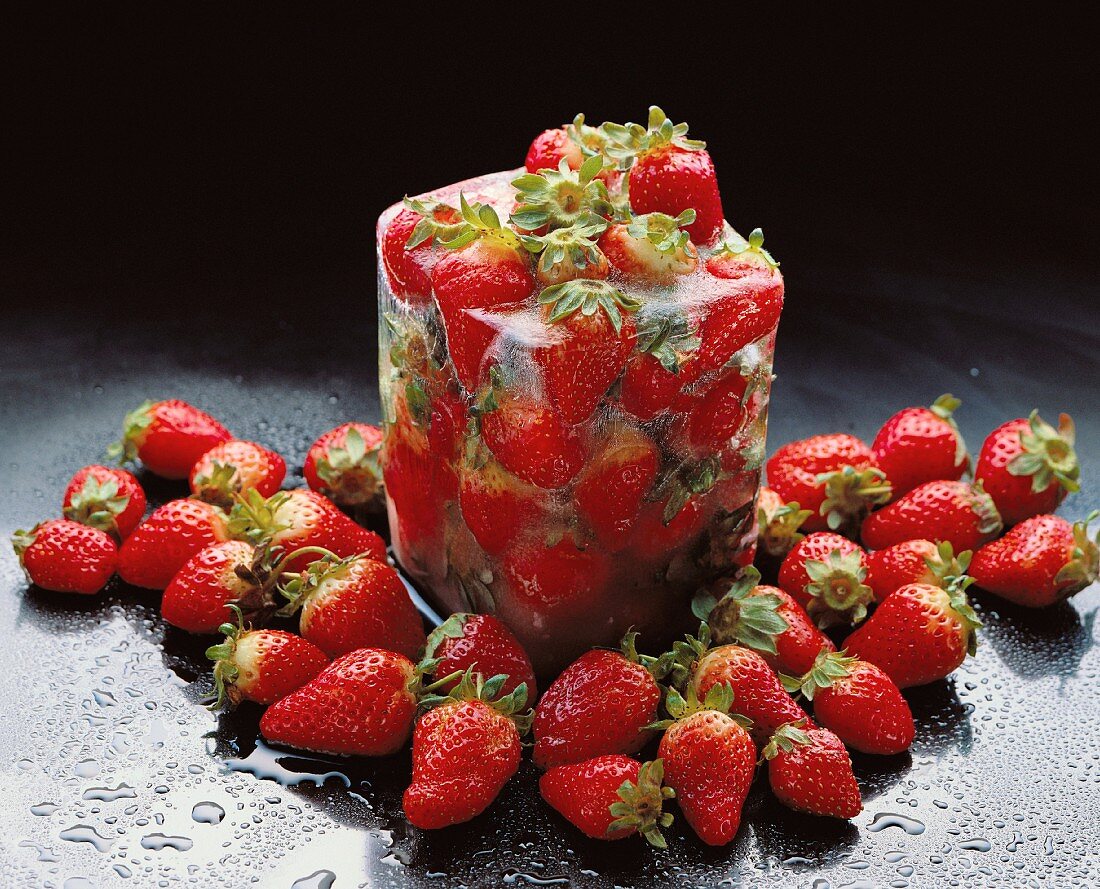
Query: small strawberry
column 858, row 702
column 234, row 466
column 408, row 250
column 779, row 523
column 105, row 498
column 810, row 771
column 610, row 797
column 1028, row 466
column 558, row 583
column 653, row 379
column 834, row 476
column 600, row 704
column 465, row 748
column 354, row 602
column 343, row 464
column 408, row 467
column 920, row 634
column 161, row 545
column 262, row 666
column 168, row 437
column 960, row 514
column 825, row 573
column 913, row 561
column 709, row 761
column 571, row 143
column 651, row 249
column 66, row 556
column 559, row 197
column 1041, row 561
column 496, row 506
column 566, row 254
column 743, row 258
column 610, row 491
column 921, row 444
column 482, row 643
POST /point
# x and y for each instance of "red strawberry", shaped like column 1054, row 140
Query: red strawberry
column 740, row 258
column 662, row 528
column 409, row 469
column 600, row 704
column 810, row 771
column 717, row 416
column 779, row 522
column 66, row 556
column 172, row 534
column 408, row 250
column 653, row 377
column 355, row 602
column 343, row 464
column 234, row 466
column 651, row 249
column 610, row 490
column 105, row 498
column 362, row 704
column 733, row 315
column 591, row 340
column 960, row 514
column 1028, row 466
column 168, row 437
column 834, row 476
column 464, row 751
column 610, row 797
column 920, row 634
column 262, row 666
column 484, row 644
column 858, row 702
column 914, row 561
column 550, row 147
column 668, row 172
column 709, row 761
column 497, row 506
column 1041, row 561
column 921, row 444
column 487, row 270
column 553, row 583
column 825, row 573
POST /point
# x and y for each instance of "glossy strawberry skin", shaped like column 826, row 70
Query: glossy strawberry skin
column 314, row 520
column 739, row 313
column 350, row 487
column 549, row 148
column 486, row 645
column 463, row 754
column 647, row 388
column 174, row 435
column 553, row 583
column 410, row 269
column 866, row 711
column 273, row 664
column 818, row 546
column 816, row 778
column 600, row 704
column 794, row 468
column 949, row 511
column 611, row 489
column 531, row 441
column 799, row 645
column 916, row 446
column 1012, row 493
column 715, row 417
column 894, row 567
column 673, row 179
column 361, row 704
column 584, row 792
column 67, row 557
column 162, row 544
column 198, row 596
column 256, row 468
column 408, row 469
column 77, row 506
column 498, row 507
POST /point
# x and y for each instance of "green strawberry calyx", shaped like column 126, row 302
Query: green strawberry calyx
column 22, row 540
column 438, row 223
column 304, row 584
column 670, row 337
column 589, row 139
column 964, row 611
column 683, row 482
column 98, row 504
column 829, row 668
column 850, row 493
column 718, row 698
column 785, row 739
column 1084, row 563
column 945, row 565
column 480, row 221
column 226, row 671
column 1048, row 454
column 666, row 233
column 837, row 590
column 779, row 530
column 219, row 486
column 989, row 519
column 562, row 197
column 740, row 617
column 255, row 518
column 752, row 246
column 351, row 472
column 472, row 686
column 944, row 407
column 640, row 805
column 658, row 667
column 571, row 252
column 588, row 296
column 624, row 143
column 134, row 425
column 685, row 653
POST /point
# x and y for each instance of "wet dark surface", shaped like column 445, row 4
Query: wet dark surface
column 113, row 773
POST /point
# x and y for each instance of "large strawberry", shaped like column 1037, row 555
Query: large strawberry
column 826, row 574
column 858, row 702
column 651, row 249
column 913, row 561
column 921, row 444
column 409, row 252
column 168, row 437
column 653, row 379
column 600, row 704
column 465, row 748
column 834, row 476
column 610, row 797
column 161, row 545
column 1041, row 561
column 484, row 644
column 497, row 506
column 1028, row 466
column 66, row 556
column 615, row 481
column 960, row 514
column 234, row 466
column 920, row 634
column 779, row 523
column 343, row 464
column 558, row 583
column 810, row 771
column 106, row 498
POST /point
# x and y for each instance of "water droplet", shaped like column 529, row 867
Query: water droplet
column 83, row 833
column 44, row 808
column 976, row 845
column 264, row 762
column 207, row 812
column 883, row 820
column 110, row 794
column 322, row 879
column 86, row 768
column 159, row 841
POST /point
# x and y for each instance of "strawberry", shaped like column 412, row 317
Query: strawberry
column 105, row 498
column 168, row 437
column 408, row 250
column 779, row 523
column 354, row 602
column 858, row 702
column 651, row 249
column 825, row 573
column 408, row 468
column 1041, row 561
column 601, row 703
column 485, row 271
column 66, row 556
column 555, row 583
column 559, row 197
column 717, row 416
column 913, row 561
column 663, row 528
column 834, row 476
column 161, row 545
column 610, row 797
column 550, row 147
column 740, row 258
column 497, row 506
column 763, row 618
column 652, row 379
column 732, row 315
column 262, row 666
column 615, row 481
column 709, row 761
column 920, row 634
column 921, row 444
column 668, row 172
column 343, row 464
column 810, row 771
column 465, row 748
column 566, row 254
column 960, row 514
column 362, row 704
column 480, row 642
column 234, row 466
column 1028, row 466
